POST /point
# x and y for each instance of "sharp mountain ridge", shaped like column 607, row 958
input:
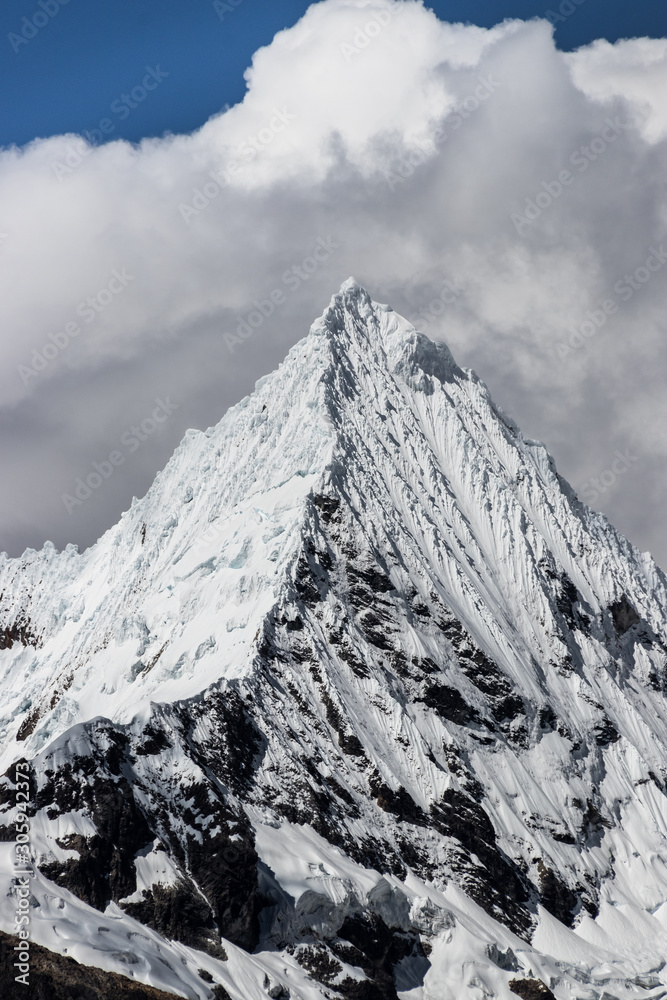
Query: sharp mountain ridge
column 358, row 701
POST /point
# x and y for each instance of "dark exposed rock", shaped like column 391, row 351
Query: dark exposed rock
column 425, row 664
column 220, row 993
column 531, row 989
column 484, row 673
column 420, row 609
column 225, row 870
column 64, row 791
column 28, row 725
column 347, row 741
column 419, row 860
column 372, row 628
column 499, row 886
column 324, row 805
column 555, row 895
column 327, row 506
column 305, row 584
column 276, row 991
column 114, row 754
column 300, row 652
column 155, row 741
column 605, row 732
column 347, row 654
column 178, row 912
column 450, row 704
column 593, row 823
column 657, row 679
column 20, row 631
column 203, row 833
column 363, row 989
column 311, row 581
column 376, row 853
column 563, row 837
column 450, row 626
column 457, row 815
column 508, row 708
column 365, row 941
column 399, row 802
column 294, row 624
column 373, row 579
column 232, row 746
column 105, row 868
column 319, row 963
column 547, row 719
column 623, row 615
column 505, row 704
column 466, row 779
column 350, row 744
column 333, row 790
column 566, row 600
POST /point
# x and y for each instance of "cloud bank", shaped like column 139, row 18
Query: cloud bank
column 506, row 197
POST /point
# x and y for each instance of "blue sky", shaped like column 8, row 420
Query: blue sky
column 78, row 64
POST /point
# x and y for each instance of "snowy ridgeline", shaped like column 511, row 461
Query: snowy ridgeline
column 358, row 701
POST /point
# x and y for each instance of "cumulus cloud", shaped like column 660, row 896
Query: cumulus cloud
column 493, row 189
column 634, row 72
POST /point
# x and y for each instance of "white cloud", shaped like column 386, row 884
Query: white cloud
column 634, row 71
column 375, row 136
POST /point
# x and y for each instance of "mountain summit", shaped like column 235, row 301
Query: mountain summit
column 358, row 701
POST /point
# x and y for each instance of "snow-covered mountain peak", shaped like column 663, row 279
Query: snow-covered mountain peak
column 365, row 411
column 363, row 328
column 358, row 668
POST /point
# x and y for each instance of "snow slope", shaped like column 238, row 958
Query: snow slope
column 359, row 696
